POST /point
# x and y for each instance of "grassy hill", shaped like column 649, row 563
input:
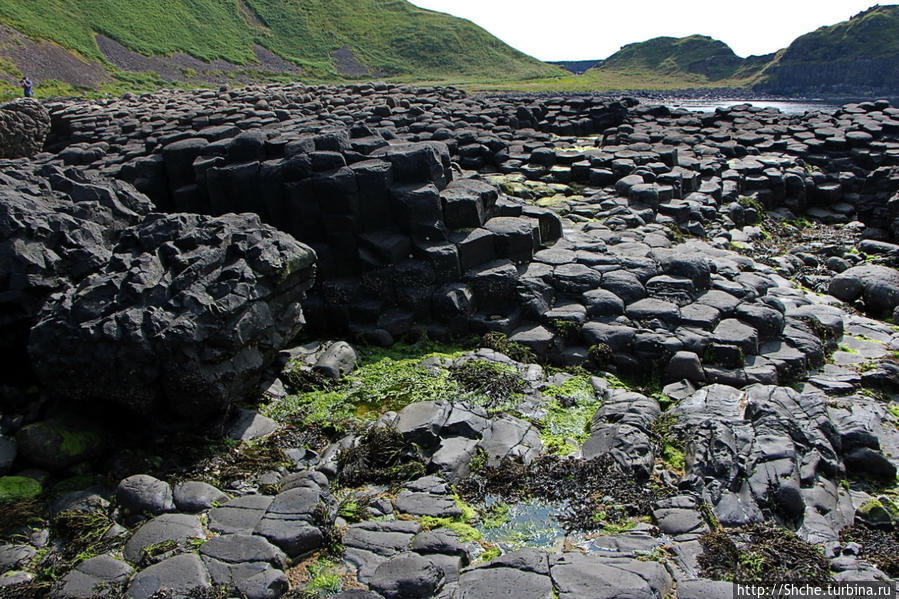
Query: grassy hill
column 855, row 57
column 669, row 62
column 859, row 54
column 660, row 63
column 117, row 45
column 381, row 37
column 693, row 55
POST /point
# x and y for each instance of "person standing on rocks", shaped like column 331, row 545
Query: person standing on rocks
column 26, row 87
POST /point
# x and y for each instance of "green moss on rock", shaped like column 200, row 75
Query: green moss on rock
column 17, row 488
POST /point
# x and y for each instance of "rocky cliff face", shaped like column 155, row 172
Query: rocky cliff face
column 860, row 55
column 871, row 76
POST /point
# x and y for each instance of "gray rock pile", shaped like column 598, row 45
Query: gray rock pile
column 659, row 245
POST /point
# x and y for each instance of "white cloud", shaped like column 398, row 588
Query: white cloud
column 589, row 29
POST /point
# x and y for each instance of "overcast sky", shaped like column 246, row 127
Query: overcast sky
column 590, row 29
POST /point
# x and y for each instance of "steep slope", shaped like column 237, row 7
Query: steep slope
column 861, row 54
column 323, row 38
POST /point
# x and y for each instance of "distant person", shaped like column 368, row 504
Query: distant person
column 26, row 87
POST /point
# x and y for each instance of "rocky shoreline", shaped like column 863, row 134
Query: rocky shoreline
column 388, row 341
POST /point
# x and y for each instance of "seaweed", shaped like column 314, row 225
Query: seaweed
column 16, row 516
column 497, row 382
column 500, row 342
column 880, row 547
column 761, row 553
column 591, row 494
column 382, row 456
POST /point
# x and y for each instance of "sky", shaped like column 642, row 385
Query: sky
column 593, row 29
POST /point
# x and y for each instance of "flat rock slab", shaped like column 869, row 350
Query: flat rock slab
column 579, row 576
column 240, row 515
column 407, row 576
column 427, row 504
column 178, row 575
column 295, row 537
column 680, row 521
column 704, row 589
column 734, row 332
column 504, row 583
column 511, row 437
column 162, row 529
column 381, row 538
column 249, row 425
column 143, row 493
column 196, row 496
column 255, row 580
column 101, row 576
column 238, row 548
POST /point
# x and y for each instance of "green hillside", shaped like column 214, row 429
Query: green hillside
column 871, row 34
column 388, row 37
column 670, row 62
column 696, row 55
column 859, row 54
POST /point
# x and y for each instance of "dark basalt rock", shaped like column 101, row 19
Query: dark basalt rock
column 181, row 320
column 56, row 227
column 877, row 285
column 24, row 124
column 176, row 320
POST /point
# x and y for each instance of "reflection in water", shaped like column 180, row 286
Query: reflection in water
column 529, row 523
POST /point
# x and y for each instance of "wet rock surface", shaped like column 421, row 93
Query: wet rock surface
column 685, row 376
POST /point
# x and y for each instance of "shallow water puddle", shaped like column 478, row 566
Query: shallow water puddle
column 529, row 523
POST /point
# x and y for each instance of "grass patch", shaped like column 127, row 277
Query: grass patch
column 617, row 529
column 82, row 534
column 14, row 489
column 395, row 38
column 668, row 447
column 500, row 342
column 490, row 553
column 495, row 516
column 463, row 529
column 385, row 379
column 324, row 577
column 462, row 525
column 19, row 515
column 569, row 414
